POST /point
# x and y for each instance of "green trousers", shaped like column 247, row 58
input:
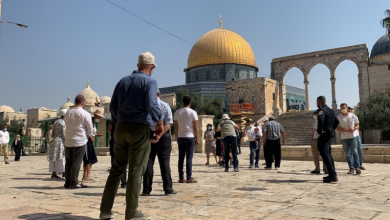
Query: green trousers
column 132, row 147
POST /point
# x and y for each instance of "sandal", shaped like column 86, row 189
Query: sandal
column 358, row 171
column 350, row 171
column 362, row 168
column 181, row 181
column 79, row 186
column 206, row 164
column 191, row 181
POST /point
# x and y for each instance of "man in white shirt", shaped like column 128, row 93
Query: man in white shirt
column 254, row 135
column 358, row 143
column 4, row 139
column 186, row 131
column 314, row 148
column 78, row 129
column 349, row 123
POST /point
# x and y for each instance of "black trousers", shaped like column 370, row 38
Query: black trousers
column 162, row 150
column 17, row 154
column 324, row 146
column 74, row 157
column 273, row 149
column 112, row 154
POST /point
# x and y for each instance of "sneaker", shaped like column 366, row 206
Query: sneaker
column 145, row 194
column 107, row 216
column 251, row 166
column 315, row 172
column 173, row 192
column 236, row 170
column 267, row 168
column 257, row 166
column 277, row 168
column 226, row 170
column 140, row 216
column 123, row 186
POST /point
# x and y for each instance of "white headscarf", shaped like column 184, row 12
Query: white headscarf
column 63, row 112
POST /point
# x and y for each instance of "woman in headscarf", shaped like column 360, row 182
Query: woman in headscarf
column 209, row 143
column 55, row 154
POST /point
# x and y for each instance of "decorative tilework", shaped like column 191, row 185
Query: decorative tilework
column 196, row 76
column 236, row 74
column 252, row 74
column 208, row 74
column 230, row 75
column 192, row 77
column 215, row 74
column 243, row 74
column 202, row 75
column 222, row 73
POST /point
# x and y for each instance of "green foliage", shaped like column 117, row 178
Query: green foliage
column 209, row 107
column 15, row 127
column 386, row 22
column 375, row 113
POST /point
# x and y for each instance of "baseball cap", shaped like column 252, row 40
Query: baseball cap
column 146, row 58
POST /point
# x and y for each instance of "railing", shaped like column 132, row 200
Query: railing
column 30, row 144
column 242, row 109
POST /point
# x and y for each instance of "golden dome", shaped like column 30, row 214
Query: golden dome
column 6, row 108
column 221, row 46
column 91, row 97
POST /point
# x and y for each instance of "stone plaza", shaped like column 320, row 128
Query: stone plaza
column 27, row 192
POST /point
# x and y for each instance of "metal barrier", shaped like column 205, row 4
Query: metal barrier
column 30, row 144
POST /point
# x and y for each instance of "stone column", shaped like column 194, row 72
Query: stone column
column 333, row 81
column 307, row 106
column 203, row 120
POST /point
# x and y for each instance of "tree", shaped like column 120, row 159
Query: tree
column 375, row 113
column 209, row 107
column 386, row 22
column 15, row 127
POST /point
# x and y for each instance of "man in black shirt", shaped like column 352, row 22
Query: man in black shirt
column 326, row 122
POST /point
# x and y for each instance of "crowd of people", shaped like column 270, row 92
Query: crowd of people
column 140, row 131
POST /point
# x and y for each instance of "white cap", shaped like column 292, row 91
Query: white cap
column 63, row 112
column 265, row 119
column 225, row 116
column 146, row 58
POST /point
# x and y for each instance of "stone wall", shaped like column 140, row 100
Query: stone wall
column 36, row 114
column 262, row 92
column 169, row 98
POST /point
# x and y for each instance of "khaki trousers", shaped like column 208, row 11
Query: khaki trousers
column 4, row 148
column 316, row 157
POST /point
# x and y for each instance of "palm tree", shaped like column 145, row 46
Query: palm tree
column 386, row 22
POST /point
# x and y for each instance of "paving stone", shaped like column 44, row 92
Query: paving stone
column 27, row 192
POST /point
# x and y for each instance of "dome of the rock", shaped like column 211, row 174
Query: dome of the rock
column 221, row 46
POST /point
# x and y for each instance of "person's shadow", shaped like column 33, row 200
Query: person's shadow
column 37, row 216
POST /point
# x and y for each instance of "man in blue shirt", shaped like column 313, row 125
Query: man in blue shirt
column 162, row 148
column 134, row 108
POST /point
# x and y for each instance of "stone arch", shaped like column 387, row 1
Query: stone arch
column 330, row 58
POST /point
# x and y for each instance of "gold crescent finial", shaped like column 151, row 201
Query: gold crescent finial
column 88, row 84
column 220, row 21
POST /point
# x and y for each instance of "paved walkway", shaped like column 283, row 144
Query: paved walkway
column 27, row 192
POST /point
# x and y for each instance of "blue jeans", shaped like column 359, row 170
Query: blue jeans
column 252, row 147
column 230, row 140
column 359, row 149
column 186, row 150
column 350, row 150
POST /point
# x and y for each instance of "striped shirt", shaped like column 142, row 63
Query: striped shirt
column 273, row 129
column 166, row 114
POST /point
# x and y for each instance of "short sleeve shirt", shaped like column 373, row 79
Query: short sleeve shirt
column 185, row 118
column 274, row 130
column 346, row 122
